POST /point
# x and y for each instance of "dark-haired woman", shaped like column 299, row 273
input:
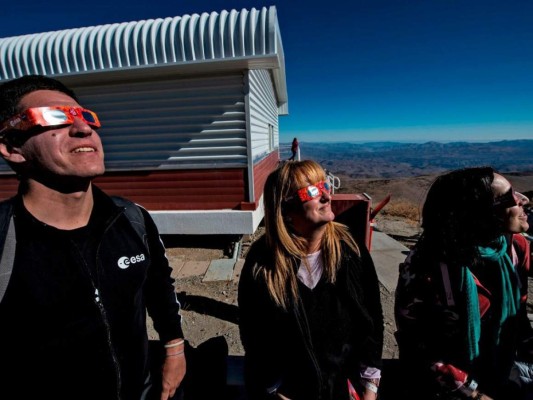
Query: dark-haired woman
column 460, row 301
column 311, row 320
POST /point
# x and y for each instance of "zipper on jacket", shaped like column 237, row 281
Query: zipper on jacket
column 109, row 342
column 102, row 310
column 104, row 319
column 100, row 306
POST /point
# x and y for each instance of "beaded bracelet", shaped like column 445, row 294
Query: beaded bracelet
column 168, row 346
column 479, row 396
column 468, row 388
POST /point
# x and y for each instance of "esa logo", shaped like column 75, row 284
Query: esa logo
column 125, row 262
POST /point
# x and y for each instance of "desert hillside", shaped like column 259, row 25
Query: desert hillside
column 408, row 193
column 396, row 160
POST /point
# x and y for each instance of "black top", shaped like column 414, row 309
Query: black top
column 74, row 313
column 310, row 350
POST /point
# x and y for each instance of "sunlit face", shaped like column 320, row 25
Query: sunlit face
column 71, row 151
column 314, row 213
column 512, row 214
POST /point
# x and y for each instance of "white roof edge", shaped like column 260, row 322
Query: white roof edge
column 244, row 39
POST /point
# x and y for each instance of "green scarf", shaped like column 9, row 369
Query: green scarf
column 510, row 301
column 473, row 320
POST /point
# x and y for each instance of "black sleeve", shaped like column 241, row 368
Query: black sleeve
column 258, row 330
column 162, row 304
column 373, row 304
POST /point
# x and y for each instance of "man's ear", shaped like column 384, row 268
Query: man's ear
column 11, row 153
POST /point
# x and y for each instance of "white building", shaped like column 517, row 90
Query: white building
column 189, row 107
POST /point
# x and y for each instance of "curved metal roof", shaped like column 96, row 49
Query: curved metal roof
column 251, row 36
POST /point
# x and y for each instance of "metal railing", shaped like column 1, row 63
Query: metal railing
column 334, row 181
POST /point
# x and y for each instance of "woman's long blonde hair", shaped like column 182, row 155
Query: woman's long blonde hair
column 285, row 244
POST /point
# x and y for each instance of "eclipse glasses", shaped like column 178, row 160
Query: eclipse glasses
column 510, row 199
column 45, row 117
column 312, row 191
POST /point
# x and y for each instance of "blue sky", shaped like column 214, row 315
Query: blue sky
column 367, row 70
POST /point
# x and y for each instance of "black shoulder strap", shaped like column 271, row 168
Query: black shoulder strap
column 8, row 244
column 134, row 215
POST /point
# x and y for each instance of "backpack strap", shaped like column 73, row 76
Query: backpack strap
column 447, row 284
column 8, row 244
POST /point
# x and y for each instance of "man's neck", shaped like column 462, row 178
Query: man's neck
column 65, row 211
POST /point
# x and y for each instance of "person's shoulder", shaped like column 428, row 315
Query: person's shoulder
column 254, row 261
column 7, row 204
column 258, row 249
column 6, row 212
column 520, row 243
column 360, row 251
column 419, row 264
column 258, row 256
column 123, row 202
column 520, row 240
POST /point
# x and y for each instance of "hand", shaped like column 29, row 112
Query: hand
column 483, row 396
column 280, row 396
column 173, row 372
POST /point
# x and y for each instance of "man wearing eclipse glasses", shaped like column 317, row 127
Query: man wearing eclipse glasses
column 83, row 267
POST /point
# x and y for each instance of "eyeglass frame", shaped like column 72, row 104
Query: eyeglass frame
column 509, row 199
column 305, row 195
column 35, row 117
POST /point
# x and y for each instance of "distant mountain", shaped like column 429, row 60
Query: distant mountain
column 394, row 159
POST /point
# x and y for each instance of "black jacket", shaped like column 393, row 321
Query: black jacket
column 74, row 314
column 282, row 351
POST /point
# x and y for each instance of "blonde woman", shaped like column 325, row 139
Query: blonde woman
column 311, row 320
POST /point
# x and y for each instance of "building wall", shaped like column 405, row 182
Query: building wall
column 201, row 189
column 189, row 107
column 173, row 123
column 179, row 190
column 264, row 127
column 8, row 186
column 181, row 144
column 261, row 172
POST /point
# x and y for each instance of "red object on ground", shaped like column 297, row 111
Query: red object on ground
column 378, row 208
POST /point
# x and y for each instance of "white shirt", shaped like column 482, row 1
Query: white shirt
column 310, row 270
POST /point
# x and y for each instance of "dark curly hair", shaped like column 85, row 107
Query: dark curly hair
column 13, row 91
column 458, row 215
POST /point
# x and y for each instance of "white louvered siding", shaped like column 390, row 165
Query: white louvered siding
column 251, row 35
column 263, row 112
column 187, row 123
column 170, row 124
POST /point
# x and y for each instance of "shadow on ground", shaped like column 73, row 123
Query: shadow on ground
column 205, row 305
